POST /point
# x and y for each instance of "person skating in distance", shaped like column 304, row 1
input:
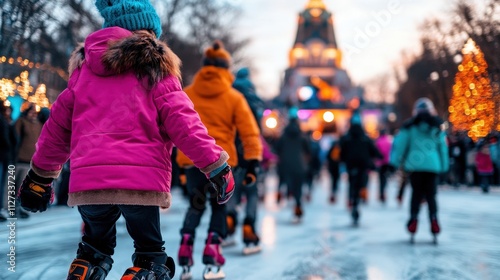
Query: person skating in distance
column 118, row 119
column 421, row 149
column 225, row 112
column 247, row 175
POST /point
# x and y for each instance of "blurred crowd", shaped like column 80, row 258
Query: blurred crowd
column 17, row 146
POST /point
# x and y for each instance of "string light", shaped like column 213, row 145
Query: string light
column 21, row 85
column 472, row 106
column 24, row 62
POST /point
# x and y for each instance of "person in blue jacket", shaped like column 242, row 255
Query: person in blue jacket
column 420, row 148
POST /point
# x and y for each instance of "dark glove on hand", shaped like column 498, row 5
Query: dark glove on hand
column 35, row 193
column 222, row 181
column 252, row 170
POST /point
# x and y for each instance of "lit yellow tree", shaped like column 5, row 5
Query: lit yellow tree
column 472, row 107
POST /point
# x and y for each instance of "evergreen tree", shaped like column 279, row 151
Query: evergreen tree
column 472, row 107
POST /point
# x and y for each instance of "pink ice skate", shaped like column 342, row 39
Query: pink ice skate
column 412, row 228
column 435, row 229
column 212, row 258
column 185, row 256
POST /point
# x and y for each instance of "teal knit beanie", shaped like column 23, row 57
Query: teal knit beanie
column 129, row 14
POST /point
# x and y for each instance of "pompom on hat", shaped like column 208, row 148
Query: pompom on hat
column 130, row 14
column 217, row 56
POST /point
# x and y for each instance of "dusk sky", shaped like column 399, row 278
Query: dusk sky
column 371, row 34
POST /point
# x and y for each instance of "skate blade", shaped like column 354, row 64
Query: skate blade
column 435, row 240
column 228, row 243
column 186, row 273
column 211, row 275
column 251, row 250
column 296, row 220
column 186, row 276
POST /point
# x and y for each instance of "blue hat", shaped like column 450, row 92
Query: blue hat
column 129, row 14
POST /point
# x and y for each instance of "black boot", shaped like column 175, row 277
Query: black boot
column 90, row 264
column 151, row 265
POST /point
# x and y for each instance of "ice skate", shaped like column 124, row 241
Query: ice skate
column 89, row 264
column 84, row 270
column 349, row 203
column 185, row 256
column 229, row 241
column 278, row 197
column 363, row 195
column 412, row 229
column 231, row 229
column 400, row 200
column 150, row 265
column 435, row 229
column 355, row 217
column 308, row 197
column 434, row 239
column 297, row 215
column 250, row 238
column 212, row 258
column 382, row 198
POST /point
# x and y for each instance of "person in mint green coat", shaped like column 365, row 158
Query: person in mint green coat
column 420, row 148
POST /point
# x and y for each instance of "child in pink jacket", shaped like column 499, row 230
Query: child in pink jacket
column 484, row 165
column 118, row 119
column 384, row 145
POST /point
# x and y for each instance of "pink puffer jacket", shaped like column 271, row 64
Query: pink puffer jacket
column 123, row 111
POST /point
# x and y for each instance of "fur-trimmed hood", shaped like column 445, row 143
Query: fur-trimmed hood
column 115, row 50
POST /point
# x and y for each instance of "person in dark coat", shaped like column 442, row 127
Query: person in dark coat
column 357, row 151
column 458, row 152
column 294, row 151
column 245, row 186
column 314, row 164
column 27, row 129
column 333, row 162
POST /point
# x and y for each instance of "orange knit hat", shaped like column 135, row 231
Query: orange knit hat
column 26, row 106
column 217, row 56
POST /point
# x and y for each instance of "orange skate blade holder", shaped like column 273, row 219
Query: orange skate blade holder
column 130, row 273
column 79, row 268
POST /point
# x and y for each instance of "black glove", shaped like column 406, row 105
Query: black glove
column 35, row 193
column 252, row 170
column 223, row 182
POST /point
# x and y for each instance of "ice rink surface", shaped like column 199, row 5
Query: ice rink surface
column 323, row 246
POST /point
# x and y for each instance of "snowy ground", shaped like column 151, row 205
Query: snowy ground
column 323, row 246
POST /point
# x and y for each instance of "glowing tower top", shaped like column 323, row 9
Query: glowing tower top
column 316, row 4
column 315, row 44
